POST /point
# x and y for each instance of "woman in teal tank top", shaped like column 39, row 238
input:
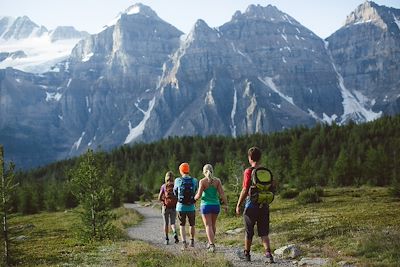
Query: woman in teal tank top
column 210, row 191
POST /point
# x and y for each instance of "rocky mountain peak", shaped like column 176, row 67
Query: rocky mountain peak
column 134, row 10
column 142, row 10
column 21, row 27
column 200, row 32
column 269, row 13
column 201, row 28
column 368, row 12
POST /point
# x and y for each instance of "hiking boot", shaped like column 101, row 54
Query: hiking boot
column 269, row 258
column 211, row 248
column 192, row 243
column 166, row 242
column 185, row 245
column 244, row 255
column 176, row 239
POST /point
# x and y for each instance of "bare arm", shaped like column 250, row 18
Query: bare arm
column 200, row 190
column 221, row 192
column 242, row 197
column 160, row 195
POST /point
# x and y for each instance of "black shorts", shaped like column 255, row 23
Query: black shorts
column 259, row 216
column 189, row 214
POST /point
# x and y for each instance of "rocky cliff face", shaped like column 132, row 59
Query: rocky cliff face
column 366, row 52
column 112, row 78
column 140, row 79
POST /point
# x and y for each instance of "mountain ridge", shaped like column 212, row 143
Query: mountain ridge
column 141, row 79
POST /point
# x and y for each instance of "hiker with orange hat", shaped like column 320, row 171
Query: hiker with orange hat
column 185, row 188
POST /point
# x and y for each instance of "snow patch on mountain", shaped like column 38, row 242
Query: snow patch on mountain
column 233, row 113
column 138, row 130
column 77, row 144
column 41, row 53
column 268, row 81
column 53, row 96
column 396, row 21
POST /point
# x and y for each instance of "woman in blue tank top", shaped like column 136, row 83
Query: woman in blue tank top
column 210, row 191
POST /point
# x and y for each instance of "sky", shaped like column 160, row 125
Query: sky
column 323, row 17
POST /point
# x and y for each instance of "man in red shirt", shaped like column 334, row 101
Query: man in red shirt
column 253, row 213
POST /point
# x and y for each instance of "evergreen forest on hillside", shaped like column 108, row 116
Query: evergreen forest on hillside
column 325, row 155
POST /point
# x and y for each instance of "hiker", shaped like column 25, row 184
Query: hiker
column 185, row 188
column 254, row 213
column 169, row 200
column 210, row 190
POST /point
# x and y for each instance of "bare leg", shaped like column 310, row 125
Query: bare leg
column 247, row 244
column 183, row 232
column 207, row 219
column 214, row 223
column 173, row 228
column 192, row 231
column 266, row 243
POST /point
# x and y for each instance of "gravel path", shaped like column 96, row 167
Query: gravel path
column 150, row 231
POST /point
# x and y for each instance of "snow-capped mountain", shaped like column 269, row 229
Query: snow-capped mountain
column 141, row 79
column 28, row 47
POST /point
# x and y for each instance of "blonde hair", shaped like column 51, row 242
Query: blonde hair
column 169, row 176
column 208, row 172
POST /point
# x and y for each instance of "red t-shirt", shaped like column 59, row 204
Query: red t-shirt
column 247, row 178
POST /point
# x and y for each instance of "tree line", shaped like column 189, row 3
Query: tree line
column 325, row 155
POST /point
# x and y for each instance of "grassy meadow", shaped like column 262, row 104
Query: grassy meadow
column 50, row 239
column 360, row 226
column 357, row 225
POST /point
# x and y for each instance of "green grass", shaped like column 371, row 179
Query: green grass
column 52, row 241
column 358, row 225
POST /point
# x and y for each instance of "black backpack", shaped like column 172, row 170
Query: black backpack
column 261, row 189
column 186, row 191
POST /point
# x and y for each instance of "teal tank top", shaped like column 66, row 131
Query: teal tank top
column 210, row 196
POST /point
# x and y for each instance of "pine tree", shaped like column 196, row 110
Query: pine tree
column 7, row 187
column 341, row 171
column 93, row 194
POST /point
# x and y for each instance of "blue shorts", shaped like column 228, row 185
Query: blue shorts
column 207, row 209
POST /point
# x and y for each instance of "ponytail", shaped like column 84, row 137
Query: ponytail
column 208, row 172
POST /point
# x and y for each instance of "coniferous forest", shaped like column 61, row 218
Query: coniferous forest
column 325, row 155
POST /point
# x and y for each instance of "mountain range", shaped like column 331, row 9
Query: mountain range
column 141, row 79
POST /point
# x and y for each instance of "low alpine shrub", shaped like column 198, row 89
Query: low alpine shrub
column 289, row 193
column 310, row 195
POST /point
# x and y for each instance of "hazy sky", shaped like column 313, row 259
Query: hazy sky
column 323, row 17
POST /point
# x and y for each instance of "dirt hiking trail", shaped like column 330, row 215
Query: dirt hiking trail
column 150, row 231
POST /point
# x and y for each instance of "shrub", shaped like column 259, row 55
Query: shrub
column 310, row 195
column 289, row 193
column 394, row 190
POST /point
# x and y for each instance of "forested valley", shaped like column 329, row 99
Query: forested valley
column 325, row 155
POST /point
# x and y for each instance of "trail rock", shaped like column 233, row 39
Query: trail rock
column 313, row 262
column 235, row 231
column 289, row 251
